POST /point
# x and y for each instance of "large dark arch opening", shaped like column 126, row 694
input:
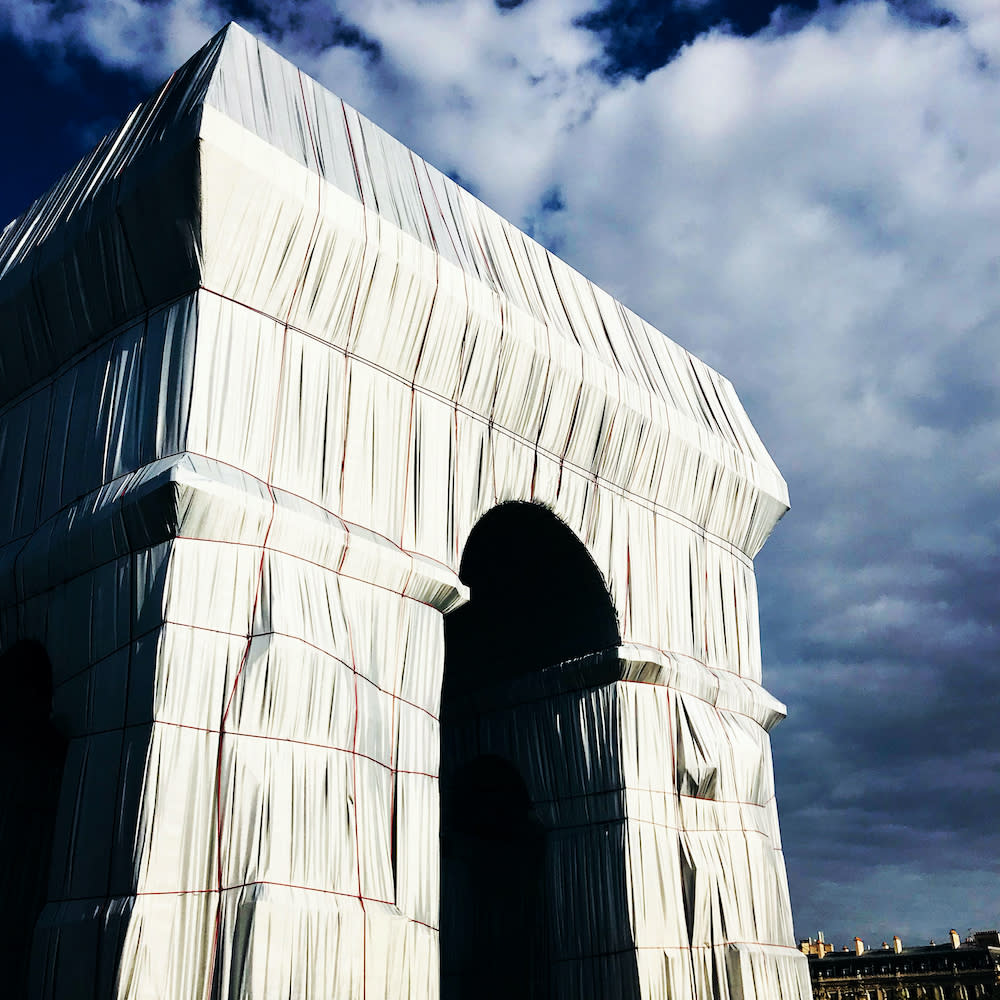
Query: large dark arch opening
column 32, row 756
column 536, row 600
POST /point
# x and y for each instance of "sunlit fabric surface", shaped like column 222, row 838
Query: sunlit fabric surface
column 262, row 372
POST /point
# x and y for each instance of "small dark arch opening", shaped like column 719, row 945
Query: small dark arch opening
column 490, row 802
column 32, row 756
column 537, row 599
column 493, row 853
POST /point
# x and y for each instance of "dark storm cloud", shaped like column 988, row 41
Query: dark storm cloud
column 889, row 657
column 959, row 403
column 640, row 36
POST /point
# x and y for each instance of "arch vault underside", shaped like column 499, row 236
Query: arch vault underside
column 263, row 371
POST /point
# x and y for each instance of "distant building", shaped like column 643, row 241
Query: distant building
column 958, row 970
column 815, row 949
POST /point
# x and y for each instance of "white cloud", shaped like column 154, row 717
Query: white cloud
column 152, row 39
column 481, row 90
column 981, row 19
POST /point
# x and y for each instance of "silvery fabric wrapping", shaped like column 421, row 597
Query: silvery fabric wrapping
column 263, row 370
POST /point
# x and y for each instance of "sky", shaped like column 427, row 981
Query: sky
column 808, row 198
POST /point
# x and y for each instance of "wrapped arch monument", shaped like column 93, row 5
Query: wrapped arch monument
column 390, row 584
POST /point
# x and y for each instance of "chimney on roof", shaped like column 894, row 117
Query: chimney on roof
column 820, row 938
column 956, row 941
column 859, row 946
column 897, row 945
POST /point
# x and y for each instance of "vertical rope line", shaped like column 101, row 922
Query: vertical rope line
column 343, row 557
